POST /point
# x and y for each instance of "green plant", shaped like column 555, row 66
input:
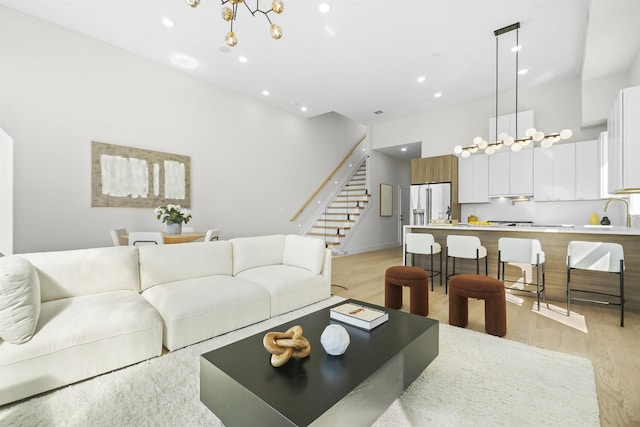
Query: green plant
column 172, row 214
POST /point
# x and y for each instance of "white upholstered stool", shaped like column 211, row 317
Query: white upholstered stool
column 424, row 244
column 596, row 256
column 464, row 247
column 524, row 254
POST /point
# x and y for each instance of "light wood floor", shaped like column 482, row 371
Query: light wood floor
column 614, row 351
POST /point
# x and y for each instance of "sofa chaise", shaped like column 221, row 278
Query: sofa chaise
column 70, row 315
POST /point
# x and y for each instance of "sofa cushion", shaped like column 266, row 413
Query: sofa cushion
column 196, row 309
column 66, row 274
column 19, row 299
column 169, row 263
column 290, row 287
column 78, row 338
column 303, row 252
column 251, row 252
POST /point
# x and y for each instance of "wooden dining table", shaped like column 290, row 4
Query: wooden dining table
column 171, row 238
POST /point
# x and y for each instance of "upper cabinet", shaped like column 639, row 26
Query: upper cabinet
column 473, row 179
column 623, row 128
column 510, row 172
column 569, row 171
column 508, row 124
column 427, row 170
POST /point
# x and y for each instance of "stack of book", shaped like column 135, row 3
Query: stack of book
column 359, row 316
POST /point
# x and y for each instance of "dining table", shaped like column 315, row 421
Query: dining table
column 171, row 238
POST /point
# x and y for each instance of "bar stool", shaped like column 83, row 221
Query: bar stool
column 522, row 251
column 596, row 256
column 464, row 247
column 424, row 244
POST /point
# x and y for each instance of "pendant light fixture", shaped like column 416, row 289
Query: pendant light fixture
column 516, row 143
column 229, row 14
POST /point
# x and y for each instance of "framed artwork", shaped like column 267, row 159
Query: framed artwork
column 133, row 177
column 386, row 200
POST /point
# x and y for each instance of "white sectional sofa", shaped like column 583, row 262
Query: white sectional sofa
column 70, row 315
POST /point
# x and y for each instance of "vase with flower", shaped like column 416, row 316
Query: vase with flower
column 173, row 216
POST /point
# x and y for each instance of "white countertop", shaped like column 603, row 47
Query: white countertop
column 588, row 229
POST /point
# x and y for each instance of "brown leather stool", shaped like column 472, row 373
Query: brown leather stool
column 417, row 279
column 465, row 286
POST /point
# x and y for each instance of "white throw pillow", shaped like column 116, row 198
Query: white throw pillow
column 19, row 299
column 304, row 252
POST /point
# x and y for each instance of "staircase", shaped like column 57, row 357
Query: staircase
column 343, row 212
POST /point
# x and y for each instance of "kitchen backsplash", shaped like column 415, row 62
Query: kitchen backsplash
column 570, row 212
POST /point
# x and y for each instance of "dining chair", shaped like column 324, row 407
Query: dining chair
column 424, row 244
column 596, row 256
column 117, row 236
column 213, row 234
column 525, row 254
column 139, row 238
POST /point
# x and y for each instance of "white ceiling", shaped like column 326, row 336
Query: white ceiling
column 362, row 56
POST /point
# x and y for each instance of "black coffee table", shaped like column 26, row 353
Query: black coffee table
column 238, row 383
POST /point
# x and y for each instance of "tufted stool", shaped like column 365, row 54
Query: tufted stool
column 464, row 286
column 418, row 281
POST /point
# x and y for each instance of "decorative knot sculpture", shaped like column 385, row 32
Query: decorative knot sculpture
column 285, row 345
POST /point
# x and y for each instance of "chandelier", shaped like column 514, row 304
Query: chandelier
column 229, row 14
column 530, row 135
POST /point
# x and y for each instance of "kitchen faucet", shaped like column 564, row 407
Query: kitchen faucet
column 613, row 199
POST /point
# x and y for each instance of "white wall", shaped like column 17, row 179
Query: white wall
column 634, row 71
column 252, row 165
column 598, row 96
column 6, row 193
column 374, row 229
column 556, row 105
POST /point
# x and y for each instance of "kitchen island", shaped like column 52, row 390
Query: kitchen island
column 554, row 240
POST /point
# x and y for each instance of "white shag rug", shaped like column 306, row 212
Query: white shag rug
column 477, row 380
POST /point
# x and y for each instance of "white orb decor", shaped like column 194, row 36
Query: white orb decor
column 466, row 154
column 457, row 149
column 335, row 340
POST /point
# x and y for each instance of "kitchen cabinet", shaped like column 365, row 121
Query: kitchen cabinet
column 511, row 173
column 564, row 171
column 623, row 128
column 588, row 167
column 568, row 171
column 473, row 179
column 427, row 170
column 507, row 123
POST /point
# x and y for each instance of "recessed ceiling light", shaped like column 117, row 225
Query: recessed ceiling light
column 437, row 94
column 403, row 149
column 303, row 109
column 378, row 112
column 243, row 59
column 523, row 71
column 324, row 7
column 421, row 79
column 167, row 22
column 184, row 61
column 265, row 92
column 516, row 48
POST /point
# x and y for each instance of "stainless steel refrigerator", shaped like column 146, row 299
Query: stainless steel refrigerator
column 430, row 202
